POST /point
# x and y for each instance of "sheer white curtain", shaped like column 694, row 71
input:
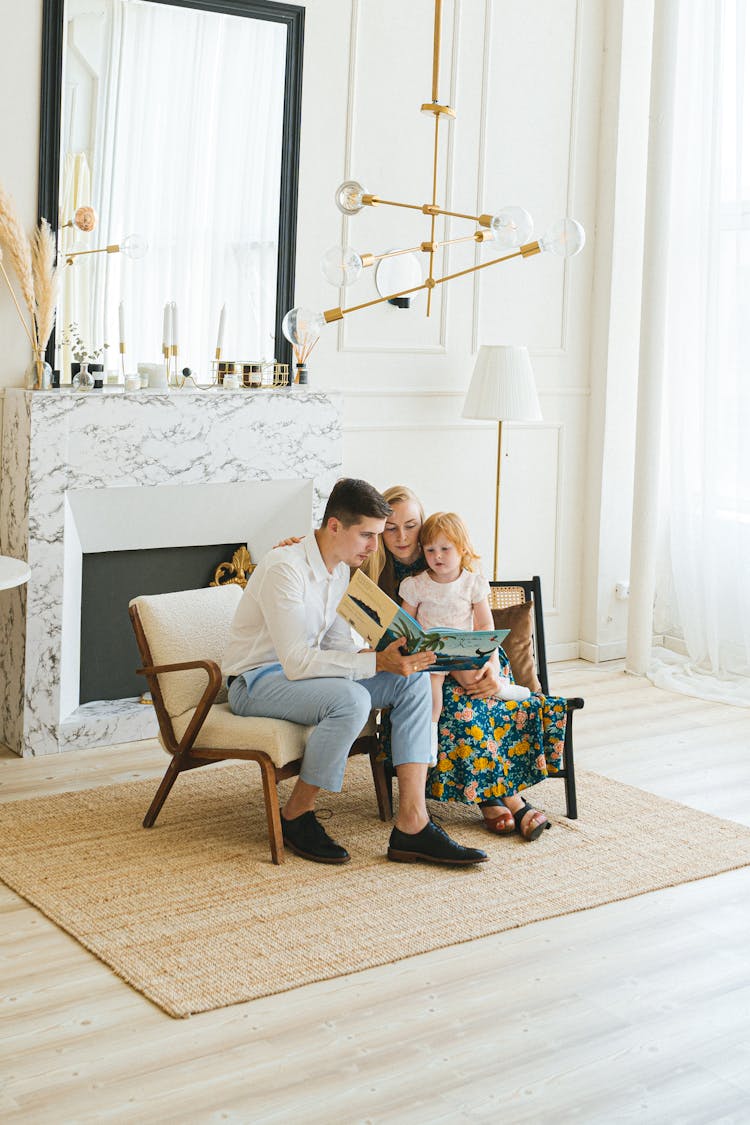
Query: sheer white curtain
column 189, row 156
column 703, row 582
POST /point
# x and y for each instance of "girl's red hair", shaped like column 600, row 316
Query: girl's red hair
column 455, row 530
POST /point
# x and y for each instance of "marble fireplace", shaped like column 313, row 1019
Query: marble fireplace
column 103, row 471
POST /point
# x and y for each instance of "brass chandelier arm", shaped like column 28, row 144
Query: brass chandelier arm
column 493, row 262
column 427, row 209
column 436, row 51
column 369, row 259
column 339, row 313
column 376, row 201
column 113, row 249
column 526, row 251
column 433, row 217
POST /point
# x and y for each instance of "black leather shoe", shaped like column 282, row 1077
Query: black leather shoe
column 432, row 845
column 307, row 837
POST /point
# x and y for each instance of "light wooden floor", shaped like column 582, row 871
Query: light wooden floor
column 636, row 1011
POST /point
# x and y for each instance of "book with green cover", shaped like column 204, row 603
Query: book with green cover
column 378, row 619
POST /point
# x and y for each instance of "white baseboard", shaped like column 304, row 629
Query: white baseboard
column 562, row 652
column 616, row 650
column 598, row 654
column 674, row 644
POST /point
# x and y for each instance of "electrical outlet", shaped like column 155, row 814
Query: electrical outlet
column 622, row 591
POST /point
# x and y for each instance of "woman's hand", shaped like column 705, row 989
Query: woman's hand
column 393, row 660
column 488, row 685
column 289, row 542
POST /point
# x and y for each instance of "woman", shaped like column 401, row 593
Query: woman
column 488, row 750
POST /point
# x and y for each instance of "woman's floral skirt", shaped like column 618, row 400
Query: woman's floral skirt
column 489, row 749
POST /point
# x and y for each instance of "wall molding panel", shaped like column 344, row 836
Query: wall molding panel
column 562, row 347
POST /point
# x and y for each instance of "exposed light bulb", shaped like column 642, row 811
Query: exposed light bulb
column 134, row 246
column 512, row 226
column 565, row 238
column 348, row 197
column 302, row 326
column 341, row 265
column 394, row 275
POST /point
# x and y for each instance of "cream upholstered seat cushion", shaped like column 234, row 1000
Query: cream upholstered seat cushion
column 194, row 625
column 188, row 625
column 283, row 741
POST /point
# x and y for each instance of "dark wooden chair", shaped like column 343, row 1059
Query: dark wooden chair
column 526, row 651
column 181, row 638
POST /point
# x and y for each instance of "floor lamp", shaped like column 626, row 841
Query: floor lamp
column 502, row 389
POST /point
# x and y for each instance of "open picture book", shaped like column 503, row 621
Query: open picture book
column 378, row 619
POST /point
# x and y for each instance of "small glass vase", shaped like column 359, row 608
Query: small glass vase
column 38, row 375
column 83, row 380
column 301, row 377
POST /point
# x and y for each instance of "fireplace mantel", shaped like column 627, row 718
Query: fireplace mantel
column 61, row 453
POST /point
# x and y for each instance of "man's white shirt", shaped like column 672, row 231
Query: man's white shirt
column 287, row 615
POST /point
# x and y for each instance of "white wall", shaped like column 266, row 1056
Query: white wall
column 533, row 88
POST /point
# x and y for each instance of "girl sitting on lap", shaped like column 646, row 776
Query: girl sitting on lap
column 451, row 594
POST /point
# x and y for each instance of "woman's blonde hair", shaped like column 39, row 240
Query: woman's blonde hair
column 397, row 494
column 454, row 529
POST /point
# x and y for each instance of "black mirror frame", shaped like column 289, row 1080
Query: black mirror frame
column 49, row 131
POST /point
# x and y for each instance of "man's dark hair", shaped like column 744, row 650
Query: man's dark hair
column 352, row 501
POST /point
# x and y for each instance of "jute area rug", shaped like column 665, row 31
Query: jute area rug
column 194, row 915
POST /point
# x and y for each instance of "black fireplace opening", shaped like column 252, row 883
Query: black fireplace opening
column 110, row 580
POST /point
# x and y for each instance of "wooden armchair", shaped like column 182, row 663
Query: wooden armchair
column 181, row 638
column 517, row 606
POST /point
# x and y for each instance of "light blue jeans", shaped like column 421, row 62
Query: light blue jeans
column 338, row 709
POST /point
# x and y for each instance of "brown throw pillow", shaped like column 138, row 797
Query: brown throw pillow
column 519, row 644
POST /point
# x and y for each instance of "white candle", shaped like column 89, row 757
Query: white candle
column 122, row 326
column 167, row 333
column 222, row 322
column 173, row 340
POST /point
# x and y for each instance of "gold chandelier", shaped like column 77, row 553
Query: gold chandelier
column 510, row 228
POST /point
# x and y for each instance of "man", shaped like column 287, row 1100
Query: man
column 291, row 656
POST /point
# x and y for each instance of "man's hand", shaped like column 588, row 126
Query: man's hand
column 392, row 659
column 487, row 685
column 289, row 542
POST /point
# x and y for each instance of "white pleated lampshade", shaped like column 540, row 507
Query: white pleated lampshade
column 502, row 386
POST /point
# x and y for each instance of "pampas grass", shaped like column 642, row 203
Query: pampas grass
column 15, row 299
column 33, row 261
column 15, row 242
column 45, row 281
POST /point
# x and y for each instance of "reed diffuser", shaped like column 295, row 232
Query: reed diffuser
column 301, row 353
column 33, row 261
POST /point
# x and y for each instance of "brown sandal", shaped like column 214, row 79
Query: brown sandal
column 500, row 825
column 537, row 830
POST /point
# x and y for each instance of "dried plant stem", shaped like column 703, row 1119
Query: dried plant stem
column 15, row 241
column 18, row 307
column 45, row 282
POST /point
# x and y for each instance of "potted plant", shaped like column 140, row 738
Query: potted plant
column 80, row 351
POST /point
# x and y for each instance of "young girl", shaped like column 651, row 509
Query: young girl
column 450, row 594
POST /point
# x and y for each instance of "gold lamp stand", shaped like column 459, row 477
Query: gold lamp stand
column 502, row 389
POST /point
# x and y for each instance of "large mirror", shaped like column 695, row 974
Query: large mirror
column 177, row 121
